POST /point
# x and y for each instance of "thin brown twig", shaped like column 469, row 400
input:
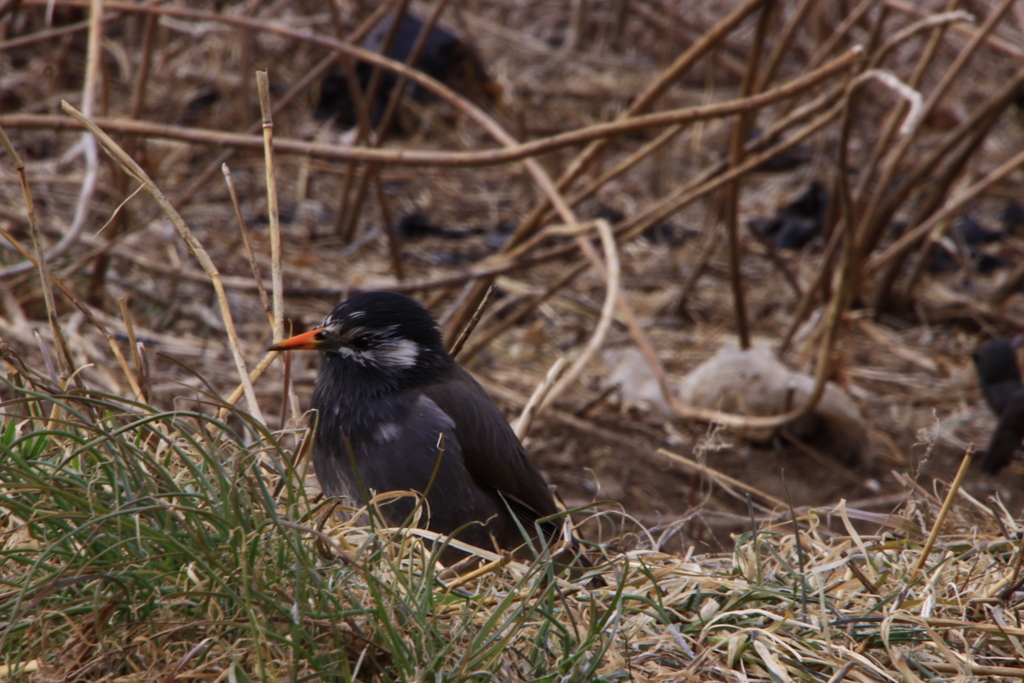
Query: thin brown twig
column 456, row 348
column 781, row 45
column 772, row 254
column 133, row 346
column 839, row 34
column 696, row 269
column 257, row 278
column 811, row 292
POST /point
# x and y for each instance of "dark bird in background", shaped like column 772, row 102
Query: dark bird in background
column 798, row 222
column 463, row 247
column 998, row 373
column 444, row 57
column 1008, row 438
column 386, row 390
column 1012, row 218
column 664, row 234
column 1000, row 380
column 962, row 243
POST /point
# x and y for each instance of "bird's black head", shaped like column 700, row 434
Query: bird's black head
column 384, row 337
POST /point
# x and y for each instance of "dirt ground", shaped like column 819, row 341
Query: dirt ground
column 909, row 372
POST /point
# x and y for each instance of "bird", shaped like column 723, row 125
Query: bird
column 444, row 57
column 1000, row 380
column 798, row 222
column 998, row 373
column 1008, row 437
column 386, row 391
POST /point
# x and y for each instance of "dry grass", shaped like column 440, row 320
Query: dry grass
column 175, row 88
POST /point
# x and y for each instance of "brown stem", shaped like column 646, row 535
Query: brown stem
column 732, row 190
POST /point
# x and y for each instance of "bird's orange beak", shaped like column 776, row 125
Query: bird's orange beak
column 306, row 341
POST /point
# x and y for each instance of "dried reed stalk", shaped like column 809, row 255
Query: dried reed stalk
column 263, row 86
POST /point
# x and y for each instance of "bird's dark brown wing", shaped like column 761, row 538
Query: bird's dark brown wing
column 998, row 373
column 1008, row 437
column 492, row 453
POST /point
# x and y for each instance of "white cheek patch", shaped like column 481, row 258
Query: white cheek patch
column 396, row 354
column 399, row 354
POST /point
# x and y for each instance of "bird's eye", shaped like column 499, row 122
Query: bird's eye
column 360, row 343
